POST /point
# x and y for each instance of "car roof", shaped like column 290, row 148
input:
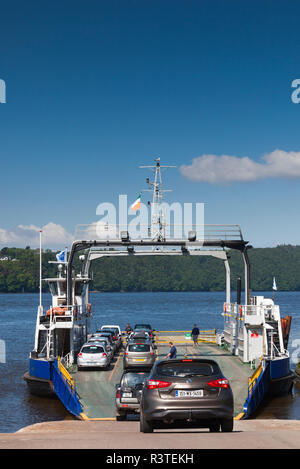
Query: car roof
column 90, row 345
column 136, row 372
column 189, row 359
column 111, row 325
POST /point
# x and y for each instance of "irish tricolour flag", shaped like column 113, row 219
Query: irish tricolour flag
column 137, row 204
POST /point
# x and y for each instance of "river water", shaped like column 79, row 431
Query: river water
column 165, row 311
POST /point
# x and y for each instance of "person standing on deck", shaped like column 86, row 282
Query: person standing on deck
column 173, row 351
column 195, row 333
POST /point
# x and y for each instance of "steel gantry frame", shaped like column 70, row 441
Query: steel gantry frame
column 138, row 247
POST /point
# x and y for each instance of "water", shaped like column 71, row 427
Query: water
column 165, row 311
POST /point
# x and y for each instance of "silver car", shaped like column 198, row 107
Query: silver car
column 92, row 355
column 138, row 354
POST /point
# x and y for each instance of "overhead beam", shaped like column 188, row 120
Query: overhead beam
column 80, row 245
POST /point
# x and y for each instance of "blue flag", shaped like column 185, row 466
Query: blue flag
column 62, row 256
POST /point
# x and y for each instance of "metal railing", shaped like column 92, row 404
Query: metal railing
column 105, row 231
column 184, row 337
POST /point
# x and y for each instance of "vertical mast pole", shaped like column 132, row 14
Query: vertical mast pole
column 41, row 270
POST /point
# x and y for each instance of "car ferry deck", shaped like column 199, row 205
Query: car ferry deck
column 96, row 389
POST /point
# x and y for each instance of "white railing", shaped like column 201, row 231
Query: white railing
column 176, row 231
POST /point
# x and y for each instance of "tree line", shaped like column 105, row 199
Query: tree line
column 19, row 271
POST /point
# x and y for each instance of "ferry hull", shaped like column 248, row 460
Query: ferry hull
column 39, row 386
column 275, row 381
column 281, row 378
column 38, row 378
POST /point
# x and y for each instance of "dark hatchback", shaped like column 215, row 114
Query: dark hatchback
column 187, row 391
column 128, row 393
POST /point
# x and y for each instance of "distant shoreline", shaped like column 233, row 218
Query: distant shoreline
column 156, row 291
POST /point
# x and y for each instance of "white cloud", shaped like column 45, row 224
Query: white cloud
column 53, row 236
column 224, row 169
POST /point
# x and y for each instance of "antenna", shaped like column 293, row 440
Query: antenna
column 158, row 222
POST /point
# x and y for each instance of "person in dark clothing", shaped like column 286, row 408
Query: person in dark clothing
column 173, row 351
column 195, row 333
column 128, row 329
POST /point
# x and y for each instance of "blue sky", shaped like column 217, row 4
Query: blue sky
column 96, row 88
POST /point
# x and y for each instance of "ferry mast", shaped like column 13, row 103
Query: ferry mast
column 158, row 219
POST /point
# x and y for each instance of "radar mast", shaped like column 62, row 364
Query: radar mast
column 158, row 219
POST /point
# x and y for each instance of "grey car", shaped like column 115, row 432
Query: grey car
column 143, row 335
column 128, row 392
column 188, row 391
column 138, row 354
column 105, row 343
column 109, row 336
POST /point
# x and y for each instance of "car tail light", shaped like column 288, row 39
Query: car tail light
column 151, row 353
column 115, row 337
column 187, row 360
column 155, row 384
column 118, row 393
column 125, row 353
column 104, row 354
column 219, row 383
column 79, row 355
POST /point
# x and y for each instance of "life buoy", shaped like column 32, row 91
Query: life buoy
column 225, row 307
column 89, row 307
column 57, row 311
column 240, row 311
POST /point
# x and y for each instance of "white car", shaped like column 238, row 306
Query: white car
column 109, row 326
column 92, row 355
column 118, row 333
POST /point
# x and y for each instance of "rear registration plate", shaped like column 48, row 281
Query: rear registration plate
column 127, row 394
column 196, row 393
column 139, row 359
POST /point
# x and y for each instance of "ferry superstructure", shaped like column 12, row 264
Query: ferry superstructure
column 254, row 339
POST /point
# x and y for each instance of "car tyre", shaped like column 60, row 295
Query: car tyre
column 214, row 427
column 227, row 425
column 145, row 425
column 120, row 417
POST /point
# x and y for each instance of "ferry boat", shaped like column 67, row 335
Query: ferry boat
column 252, row 346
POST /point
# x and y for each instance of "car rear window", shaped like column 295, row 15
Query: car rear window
column 132, row 379
column 142, row 326
column 183, row 369
column 92, row 349
column 140, row 336
column 108, row 336
column 139, row 348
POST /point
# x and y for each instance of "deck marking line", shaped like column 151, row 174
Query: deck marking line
column 239, row 416
column 85, row 417
column 114, row 368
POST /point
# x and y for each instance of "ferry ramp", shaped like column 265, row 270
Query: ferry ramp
column 96, row 389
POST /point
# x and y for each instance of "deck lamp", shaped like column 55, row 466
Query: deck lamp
column 124, row 236
column 192, row 235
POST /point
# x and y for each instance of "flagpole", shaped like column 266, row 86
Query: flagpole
column 40, row 269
